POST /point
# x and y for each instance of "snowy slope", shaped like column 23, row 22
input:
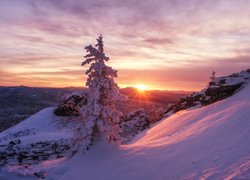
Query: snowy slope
column 217, row 89
column 207, row 143
column 32, row 141
column 211, row 142
column 40, row 126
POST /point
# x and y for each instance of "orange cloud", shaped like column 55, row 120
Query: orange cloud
column 168, row 45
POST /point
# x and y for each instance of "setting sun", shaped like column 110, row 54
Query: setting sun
column 141, row 87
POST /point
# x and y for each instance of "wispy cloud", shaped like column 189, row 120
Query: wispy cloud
column 46, row 36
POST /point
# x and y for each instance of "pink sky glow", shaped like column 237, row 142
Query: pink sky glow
column 164, row 44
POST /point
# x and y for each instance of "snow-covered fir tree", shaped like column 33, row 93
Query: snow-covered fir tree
column 212, row 77
column 100, row 114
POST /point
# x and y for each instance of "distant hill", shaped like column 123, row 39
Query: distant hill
column 19, row 102
column 162, row 97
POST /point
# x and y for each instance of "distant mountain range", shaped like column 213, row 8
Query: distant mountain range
column 19, row 102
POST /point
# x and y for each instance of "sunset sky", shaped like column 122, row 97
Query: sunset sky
column 164, row 44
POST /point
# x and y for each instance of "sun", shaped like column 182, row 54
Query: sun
column 141, row 87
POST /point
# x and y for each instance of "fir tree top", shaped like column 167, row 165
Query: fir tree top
column 95, row 53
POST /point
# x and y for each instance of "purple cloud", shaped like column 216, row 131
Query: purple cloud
column 163, row 34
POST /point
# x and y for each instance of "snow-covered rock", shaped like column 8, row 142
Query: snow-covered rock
column 218, row 89
column 71, row 104
column 133, row 123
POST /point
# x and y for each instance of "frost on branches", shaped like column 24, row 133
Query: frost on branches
column 99, row 114
column 133, row 123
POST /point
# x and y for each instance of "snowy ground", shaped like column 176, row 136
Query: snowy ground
column 31, row 145
column 206, row 143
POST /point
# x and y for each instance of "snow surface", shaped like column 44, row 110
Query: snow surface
column 211, row 142
column 41, row 126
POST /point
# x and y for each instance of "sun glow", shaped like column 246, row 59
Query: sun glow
column 141, row 87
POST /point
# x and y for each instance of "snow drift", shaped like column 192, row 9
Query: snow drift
column 211, row 142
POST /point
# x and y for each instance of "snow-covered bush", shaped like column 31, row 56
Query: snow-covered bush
column 156, row 114
column 133, row 123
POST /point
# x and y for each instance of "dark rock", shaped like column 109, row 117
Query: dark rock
column 60, row 156
column 71, row 105
column 15, row 142
column 12, row 154
column 33, row 153
column 234, row 75
column 20, row 158
column 211, row 95
column 223, row 81
column 220, row 93
column 133, row 123
column 34, row 157
column 40, row 174
column 3, row 159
